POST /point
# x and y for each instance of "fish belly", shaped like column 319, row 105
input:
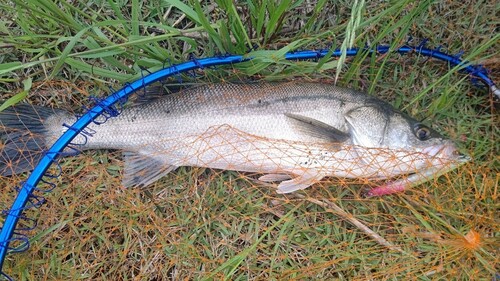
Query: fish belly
column 227, row 148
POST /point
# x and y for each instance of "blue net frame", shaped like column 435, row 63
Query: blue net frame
column 109, row 108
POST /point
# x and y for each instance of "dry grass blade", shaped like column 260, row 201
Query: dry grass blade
column 334, row 208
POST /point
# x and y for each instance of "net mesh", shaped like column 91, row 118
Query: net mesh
column 198, row 222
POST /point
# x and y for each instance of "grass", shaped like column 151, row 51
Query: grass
column 204, row 224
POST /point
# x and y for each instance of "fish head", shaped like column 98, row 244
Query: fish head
column 397, row 135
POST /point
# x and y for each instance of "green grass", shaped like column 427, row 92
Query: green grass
column 204, row 224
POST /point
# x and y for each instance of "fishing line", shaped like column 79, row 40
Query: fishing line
column 111, row 106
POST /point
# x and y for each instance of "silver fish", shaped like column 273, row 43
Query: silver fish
column 294, row 133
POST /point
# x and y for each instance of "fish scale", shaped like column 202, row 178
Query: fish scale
column 298, row 131
column 249, row 110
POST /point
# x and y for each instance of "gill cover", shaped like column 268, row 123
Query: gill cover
column 367, row 125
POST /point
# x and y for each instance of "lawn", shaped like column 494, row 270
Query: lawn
column 207, row 224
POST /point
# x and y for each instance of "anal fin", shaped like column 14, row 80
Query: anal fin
column 142, row 170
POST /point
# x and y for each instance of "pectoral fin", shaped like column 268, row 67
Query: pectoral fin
column 317, row 129
column 275, row 177
column 300, row 182
column 143, row 170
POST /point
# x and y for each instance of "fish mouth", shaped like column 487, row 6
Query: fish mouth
column 447, row 151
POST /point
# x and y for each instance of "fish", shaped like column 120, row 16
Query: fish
column 293, row 133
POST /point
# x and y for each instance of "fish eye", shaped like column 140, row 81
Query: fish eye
column 422, row 132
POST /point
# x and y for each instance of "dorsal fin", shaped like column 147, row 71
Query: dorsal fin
column 158, row 90
column 150, row 94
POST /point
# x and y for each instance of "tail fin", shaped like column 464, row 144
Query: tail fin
column 22, row 137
